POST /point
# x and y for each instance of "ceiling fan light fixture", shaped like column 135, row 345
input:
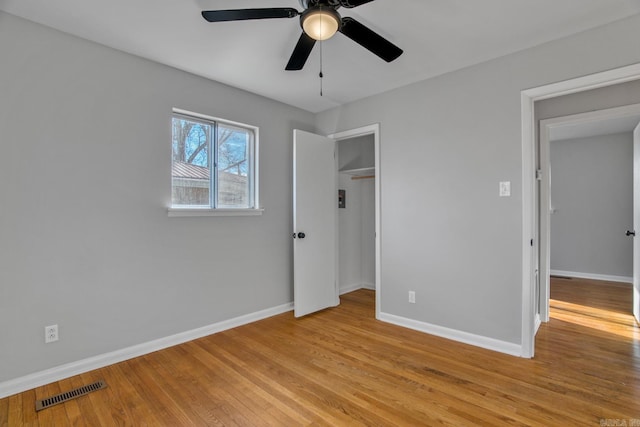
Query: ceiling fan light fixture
column 320, row 23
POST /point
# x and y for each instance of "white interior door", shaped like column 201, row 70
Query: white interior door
column 636, row 223
column 314, row 223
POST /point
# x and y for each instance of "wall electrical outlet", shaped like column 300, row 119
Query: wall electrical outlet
column 412, row 297
column 50, row 333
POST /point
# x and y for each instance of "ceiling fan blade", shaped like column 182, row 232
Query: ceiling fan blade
column 245, row 14
column 300, row 53
column 353, row 3
column 369, row 39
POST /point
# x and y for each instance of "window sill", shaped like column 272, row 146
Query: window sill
column 186, row 212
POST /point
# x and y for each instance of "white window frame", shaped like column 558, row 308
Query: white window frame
column 253, row 172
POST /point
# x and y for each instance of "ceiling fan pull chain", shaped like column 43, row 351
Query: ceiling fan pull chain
column 321, row 75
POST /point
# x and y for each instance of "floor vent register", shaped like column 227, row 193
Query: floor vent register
column 68, row 395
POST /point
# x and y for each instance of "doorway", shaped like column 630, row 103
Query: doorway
column 530, row 228
column 358, row 170
column 316, row 235
column 599, row 202
column 356, row 214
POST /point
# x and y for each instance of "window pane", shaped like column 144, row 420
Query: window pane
column 234, row 167
column 190, row 178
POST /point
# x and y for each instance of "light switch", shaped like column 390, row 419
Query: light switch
column 505, row 188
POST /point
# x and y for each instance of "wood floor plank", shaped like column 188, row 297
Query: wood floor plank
column 302, row 386
column 342, row 367
column 352, row 374
column 264, row 406
column 136, row 411
column 28, row 410
column 143, row 377
column 72, row 408
column 4, row 412
column 319, row 381
column 415, row 372
column 14, row 415
column 266, row 376
column 219, row 387
column 185, row 366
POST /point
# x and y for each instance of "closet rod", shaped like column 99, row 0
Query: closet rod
column 363, row 177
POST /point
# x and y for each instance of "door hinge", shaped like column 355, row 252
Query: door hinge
column 531, row 242
column 539, row 174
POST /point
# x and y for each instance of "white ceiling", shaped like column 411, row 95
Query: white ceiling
column 437, row 36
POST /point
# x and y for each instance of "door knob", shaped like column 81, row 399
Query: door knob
column 301, row 235
column 630, row 233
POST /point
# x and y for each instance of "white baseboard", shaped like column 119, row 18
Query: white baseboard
column 455, row 335
column 350, row 288
column 37, row 379
column 606, row 277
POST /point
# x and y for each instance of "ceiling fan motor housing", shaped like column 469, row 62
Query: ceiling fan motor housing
column 325, row 11
column 331, row 3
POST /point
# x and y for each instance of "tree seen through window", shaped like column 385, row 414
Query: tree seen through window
column 200, row 147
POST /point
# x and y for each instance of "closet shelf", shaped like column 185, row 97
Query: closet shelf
column 359, row 172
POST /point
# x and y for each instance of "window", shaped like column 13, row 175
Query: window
column 213, row 165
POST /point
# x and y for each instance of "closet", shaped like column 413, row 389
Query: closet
column 356, row 219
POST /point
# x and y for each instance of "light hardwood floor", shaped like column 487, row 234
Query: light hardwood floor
column 342, row 367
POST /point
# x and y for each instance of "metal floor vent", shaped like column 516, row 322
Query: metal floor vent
column 68, row 395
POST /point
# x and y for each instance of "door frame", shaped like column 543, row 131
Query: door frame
column 546, row 126
column 373, row 129
column 636, row 209
column 528, row 98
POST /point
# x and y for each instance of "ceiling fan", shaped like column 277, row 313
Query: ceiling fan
column 320, row 20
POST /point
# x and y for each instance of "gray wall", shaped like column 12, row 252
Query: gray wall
column 356, row 153
column 445, row 144
column 592, row 194
column 85, row 240
column 590, row 100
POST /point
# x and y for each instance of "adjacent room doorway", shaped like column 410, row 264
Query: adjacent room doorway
column 530, row 205
column 611, row 121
